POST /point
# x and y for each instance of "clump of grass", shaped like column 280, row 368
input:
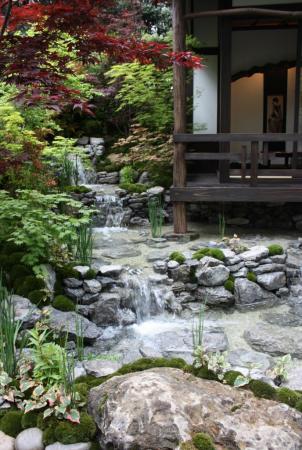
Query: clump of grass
column 208, row 251
column 178, row 257
column 156, row 216
column 275, row 249
column 251, row 277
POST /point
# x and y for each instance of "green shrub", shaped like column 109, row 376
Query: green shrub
column 127, row 175
column 18, row 271
column 10, row 424
column 30, row 283
column 68, row 433
column 178, row 257
column 63, row 303
column 82, row 389
column 203, row 441
column 29, row 420
column 15, row 258
column 230, row 285
column 261, row 389
column 275, row 249
column 38, row 297
column 288, row 396
column 231, row 376
column 134, row 188
column 251, row 277
column 77, row 189
column 208, row 251
column 105, row 165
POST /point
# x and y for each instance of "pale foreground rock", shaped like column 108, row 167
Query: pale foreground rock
column 160, row 408
column 6, row 442
column 25, row 311
column 30, row 439
column 58, row 446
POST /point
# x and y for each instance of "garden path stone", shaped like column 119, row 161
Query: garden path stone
column 6, row 442
column 66, row 322
column 30, row 439
column 25, row 311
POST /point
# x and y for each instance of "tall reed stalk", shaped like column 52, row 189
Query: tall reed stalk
column 156, row 216
column 79, row 337
column 198, row 328
column 84, row 245
column 9, row 330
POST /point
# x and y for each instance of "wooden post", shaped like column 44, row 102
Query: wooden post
column 297, row 95
column 254, row 162
column 179, row 167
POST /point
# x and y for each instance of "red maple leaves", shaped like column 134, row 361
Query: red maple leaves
column 28, row 59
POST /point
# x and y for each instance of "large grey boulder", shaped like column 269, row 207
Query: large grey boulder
column 212, row 276
column 25, row 311
column 255, row 253
column 71, row 323
column 6, row 442
column 249, row 295
column 275, row 340
column 294, row 258
column 272, row 281
column 30, row 439
column 106, row 310
column 215, row 296
column 161, row 408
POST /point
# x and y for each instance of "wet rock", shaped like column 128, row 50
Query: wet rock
column 181, row 273
column 160, row 267
column 215, row 296
column 247, row 358
column 25, row 311
column 249, row 295
column 6, row 442
column 172, row 265
column 158, row 279
column 251, row 264
column 101, row 367
column 111, row 270
column 275, row 340
column 242, row 273
column 106, row 282
column 151, row 399
column 75, row 294
column 30, row 439
column 73, row 283
column 272, row 281
column 233, row 260
column 294, row 258
column 156, row 190
column 255, row 253
column 126, row 317
column 212, row 276
column 82, row 270
column 89, row 299
column 106, row 310
column 268, row 268
column 178, row 286
column 67, row 322
column 92, row 286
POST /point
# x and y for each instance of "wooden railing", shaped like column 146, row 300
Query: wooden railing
column 253, row 174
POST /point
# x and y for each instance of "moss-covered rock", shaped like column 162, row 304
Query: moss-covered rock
column 19, row 271
column 29, row 420
column 29, row 284
column 205, row 373
column 288, row 396
column 63, row 303
column 298, row 405
column 231, row 376
column 10, row 424
column 15, row 258
column 251, row 277
column 90, row 275
column 82, row 389
column 39, row 297
column 178, row 257
column 229, row 285
column 77, row 189
column 67, row 271
column 150, row 363
column 69, row 433
column 262, row 390
column 275, row 249
column 208, row 251
column 134, row 188
column 203, row 441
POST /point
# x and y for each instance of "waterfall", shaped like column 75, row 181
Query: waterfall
column 79, row 169
column 111, row 211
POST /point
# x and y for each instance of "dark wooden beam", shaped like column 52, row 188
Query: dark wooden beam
column 238, row 193
column 179, row 92
column 237, row 137
column 234, row 12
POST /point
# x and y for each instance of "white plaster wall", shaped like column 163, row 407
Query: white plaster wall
column 259, row 47
column 205, row 88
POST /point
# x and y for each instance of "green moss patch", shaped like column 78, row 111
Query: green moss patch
column 231, row 376
column 178, row 257
column 251, row 277
column 11, row 424
column 203, row 441
column 63, row 303
column 208, row 251
column 29, row 420
column 70, row 433
column 28, row 284
column 229, row 285
column 262, row 390
column 275, row 249
column 150, row 363
column 288, row 396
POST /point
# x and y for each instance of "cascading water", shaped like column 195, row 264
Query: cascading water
column 110, row 211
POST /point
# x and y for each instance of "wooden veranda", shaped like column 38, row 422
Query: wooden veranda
column 259, row 175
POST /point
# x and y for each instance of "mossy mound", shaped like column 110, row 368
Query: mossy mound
column 63, row 303
column 298, row 405
column 29, row 420
column 262, row 390
column 229, row 285
column 178, row 257
column 38, row 297
column 231, row 376
column 82, row 389
column 275, row 249
column 134, row 188
column 19, row 271
column 205, row 373
column 67, row 271
column 251, row 277
column 208, row 251
column 70, row 433
column 24, row 286
column 11, row 424
column 150, row 363
column 77, row 189
column 203, row 441
column 91, row 274
column 288, row 396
